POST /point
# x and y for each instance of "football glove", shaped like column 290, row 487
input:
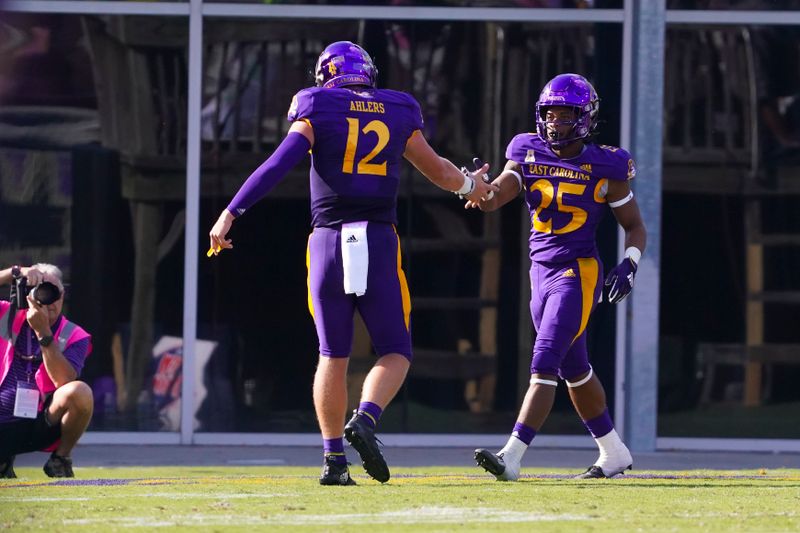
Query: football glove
column 619, row 281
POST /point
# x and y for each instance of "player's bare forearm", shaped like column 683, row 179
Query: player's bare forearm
column 628, row 215
column 630, row 219
column 443, row 173
column 447, row 176
column 636, row 236
column 440, row 171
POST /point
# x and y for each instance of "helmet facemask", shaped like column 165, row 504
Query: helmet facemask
column 568, row 90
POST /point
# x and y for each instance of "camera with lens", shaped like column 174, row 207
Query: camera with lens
column 44, row 293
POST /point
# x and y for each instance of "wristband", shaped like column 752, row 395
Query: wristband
column 467, row 188
column 634, row 254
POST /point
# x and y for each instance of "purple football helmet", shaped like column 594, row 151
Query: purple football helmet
column 344, row 63
column 572, row 90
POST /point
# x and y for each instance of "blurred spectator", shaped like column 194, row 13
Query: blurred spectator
column 43, row 62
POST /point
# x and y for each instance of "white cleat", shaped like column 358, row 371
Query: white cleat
column 496, row 465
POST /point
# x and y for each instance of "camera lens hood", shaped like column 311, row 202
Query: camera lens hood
column 45, row 293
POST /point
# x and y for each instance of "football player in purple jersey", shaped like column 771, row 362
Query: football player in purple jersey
column 357, row 135
column 569, row 183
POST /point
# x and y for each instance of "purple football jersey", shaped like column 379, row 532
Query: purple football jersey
column 359, row 140
column 566, row 197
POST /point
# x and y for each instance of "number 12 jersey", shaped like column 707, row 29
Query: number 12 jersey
column 359, row 140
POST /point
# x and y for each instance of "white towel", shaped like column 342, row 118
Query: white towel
column 355, row 257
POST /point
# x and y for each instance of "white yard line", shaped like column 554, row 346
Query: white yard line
column 421, row 515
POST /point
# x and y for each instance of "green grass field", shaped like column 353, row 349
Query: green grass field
column 416, row 499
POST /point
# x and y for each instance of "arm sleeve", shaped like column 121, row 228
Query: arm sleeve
column 290, row 152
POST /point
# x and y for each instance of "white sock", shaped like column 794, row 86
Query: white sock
column 513, row 450
column 612, row 450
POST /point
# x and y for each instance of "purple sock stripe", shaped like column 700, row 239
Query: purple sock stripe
column 333, row 446
column 524, row 433
column 371, row 411
column 600, row 425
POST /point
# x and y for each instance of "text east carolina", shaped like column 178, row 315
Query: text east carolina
column 549, row 170
column 366, row 107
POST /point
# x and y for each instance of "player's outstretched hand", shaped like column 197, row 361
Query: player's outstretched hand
column 484, row 189
column 217, row 235
column 619, row 281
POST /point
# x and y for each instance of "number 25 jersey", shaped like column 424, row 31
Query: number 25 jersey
column 566, row 197
column 359, row 140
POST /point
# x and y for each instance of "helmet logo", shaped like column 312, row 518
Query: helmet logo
column 342, row 64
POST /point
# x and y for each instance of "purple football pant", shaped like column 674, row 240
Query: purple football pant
column 563, row 296
column 385, row 307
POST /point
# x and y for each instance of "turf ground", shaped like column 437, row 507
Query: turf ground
column 415, row 499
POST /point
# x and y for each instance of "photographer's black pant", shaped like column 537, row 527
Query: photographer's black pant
column 28, row 435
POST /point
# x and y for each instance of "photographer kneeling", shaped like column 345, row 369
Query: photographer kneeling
column 42, row 405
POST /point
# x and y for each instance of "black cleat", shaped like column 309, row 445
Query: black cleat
column 7, row 468
column 595, row 472
column 490, row 462
column 362, row 437
column 495, row 464
column 334, row 473
column 58, row 466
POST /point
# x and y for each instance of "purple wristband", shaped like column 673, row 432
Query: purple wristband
column 290, row 152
